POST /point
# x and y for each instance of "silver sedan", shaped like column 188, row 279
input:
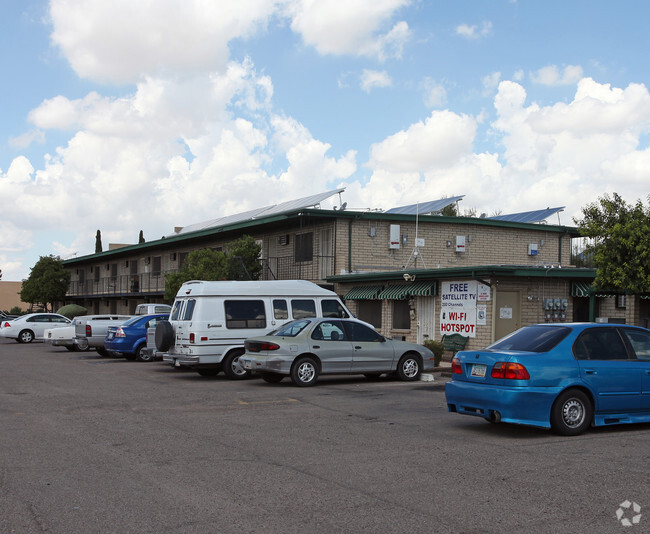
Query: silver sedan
column 307, row 348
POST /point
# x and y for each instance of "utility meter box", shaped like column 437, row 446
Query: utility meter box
column 460, row 243
column 394, row 237
column 532, row 249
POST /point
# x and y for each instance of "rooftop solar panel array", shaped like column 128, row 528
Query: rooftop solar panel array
column 424, row 208
column 528, row 216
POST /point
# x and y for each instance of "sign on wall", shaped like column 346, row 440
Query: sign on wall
column 458, row 307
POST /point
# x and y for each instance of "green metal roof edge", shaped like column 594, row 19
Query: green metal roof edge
column 358, row 215
column 481, row 271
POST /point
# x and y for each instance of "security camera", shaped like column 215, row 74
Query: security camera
column 407, row 276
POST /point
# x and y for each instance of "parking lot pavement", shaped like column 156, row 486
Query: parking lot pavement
column 93, row 444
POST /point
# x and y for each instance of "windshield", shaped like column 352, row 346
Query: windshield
column 538, row 338
column 131, row 321
column 292, row 329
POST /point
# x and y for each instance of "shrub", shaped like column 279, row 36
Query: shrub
column 437, row 348
column 72, row 310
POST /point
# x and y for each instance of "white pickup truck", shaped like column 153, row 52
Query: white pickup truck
column 63, row 337
column 91, row 330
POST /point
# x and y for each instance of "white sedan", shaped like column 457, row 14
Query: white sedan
column 26, row 328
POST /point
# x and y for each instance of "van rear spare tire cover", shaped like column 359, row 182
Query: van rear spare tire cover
column 164, row 335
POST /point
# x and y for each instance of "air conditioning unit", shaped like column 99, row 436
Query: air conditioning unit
column 283, row 239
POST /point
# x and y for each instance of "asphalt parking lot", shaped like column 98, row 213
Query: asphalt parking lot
column 94, row 444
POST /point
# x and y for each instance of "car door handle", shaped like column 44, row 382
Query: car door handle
column 591, row 372
column 357, row 347
column 316, row 346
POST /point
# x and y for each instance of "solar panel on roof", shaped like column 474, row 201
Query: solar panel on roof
column 274, row 209
column 423, row 208
column 528, row 216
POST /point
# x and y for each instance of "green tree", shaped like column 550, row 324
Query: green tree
column 47, row 282
column 98, row 242
column 141, row 238
column 619, row 242
column 238, row 262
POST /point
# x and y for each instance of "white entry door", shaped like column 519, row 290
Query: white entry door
column 426, row 319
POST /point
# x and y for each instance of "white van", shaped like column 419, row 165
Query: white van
column 209, row 321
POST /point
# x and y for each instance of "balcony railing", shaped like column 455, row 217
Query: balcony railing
column 277, row 268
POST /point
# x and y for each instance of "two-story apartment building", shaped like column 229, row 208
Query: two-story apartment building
column 415, row 276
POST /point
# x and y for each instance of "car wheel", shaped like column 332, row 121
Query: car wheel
column 26, row 336
column 102, row 352
column 129, row 356
column 208, row 372
column 145, row 356
column 232, row 367
column 164, row 335
column 571, row 413
column 409, row 368
column 304, row 371
column 272, row 378
column 71, row 348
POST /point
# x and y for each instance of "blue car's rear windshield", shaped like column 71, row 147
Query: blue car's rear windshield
column 532, row 339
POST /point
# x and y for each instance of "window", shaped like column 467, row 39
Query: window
column 640, row 341
column 156, row 264
column 189, row 310
column 599, row 344
column 304, row 247
column 401, row 315
column 360, row 332
column 370, row 312
column 333, row 308
column 620, row 301
column 302, row 309
column 280, row 310
column 292, row 329
column 329, row 331
column 176, row 311
column 532, row 339
column 245, row 314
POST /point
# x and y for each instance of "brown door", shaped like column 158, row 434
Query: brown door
column 507, row 313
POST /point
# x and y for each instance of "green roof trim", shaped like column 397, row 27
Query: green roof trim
column 425, row 288
column 363, row 293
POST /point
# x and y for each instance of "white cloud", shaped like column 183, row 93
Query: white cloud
column 370, row 79
column 352, row 27
column 121, row 41
column 474, row 32
column 551, row 75
column 435, row 94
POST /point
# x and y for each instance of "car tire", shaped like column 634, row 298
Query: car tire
column 71, row 348
column 304, row 371
column 25, row 336
column 571, row 413
column 409, row 368
column 164, row 335
column 129, row 356
column 272, row 378
column 232, row 368
column 143, row 356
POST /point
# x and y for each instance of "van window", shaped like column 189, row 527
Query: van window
column 280, row 310
column 245, row 314
column 333, row 308
column 189, row 310
column 176, row 310
column 303, row 308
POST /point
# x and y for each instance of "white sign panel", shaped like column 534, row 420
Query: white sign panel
column 458, row 307
column 483, row 292
column 481, row 315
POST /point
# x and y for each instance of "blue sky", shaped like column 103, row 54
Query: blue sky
column 126, row 116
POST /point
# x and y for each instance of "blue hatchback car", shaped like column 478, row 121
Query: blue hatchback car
column 561, row 376
column 130, row 337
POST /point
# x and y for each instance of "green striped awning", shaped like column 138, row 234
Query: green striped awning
column 400, row 291
column 581, row 289
column 362, row 293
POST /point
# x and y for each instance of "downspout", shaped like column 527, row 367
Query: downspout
column 350, row 245
column 592, row 305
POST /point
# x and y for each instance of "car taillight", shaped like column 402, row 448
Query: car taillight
column 510, row 371
column 257, row 346
column 119, row 332
column 6, row 325
column 192, row 337
column 89, row 331
column 456, row 368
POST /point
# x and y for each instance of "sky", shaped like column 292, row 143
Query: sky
column 124, row 116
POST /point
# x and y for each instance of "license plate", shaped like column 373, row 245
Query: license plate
column 110, row 336
column 478, row 370
column 248, row 365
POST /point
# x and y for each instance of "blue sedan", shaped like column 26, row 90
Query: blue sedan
column 561, row 376
column 130, row 337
